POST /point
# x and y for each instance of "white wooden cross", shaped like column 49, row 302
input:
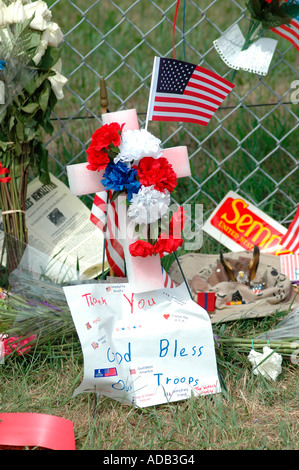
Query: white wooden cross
column 144, row 274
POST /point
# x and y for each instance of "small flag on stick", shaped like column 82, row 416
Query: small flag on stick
column 289, row 31
column 185, row 92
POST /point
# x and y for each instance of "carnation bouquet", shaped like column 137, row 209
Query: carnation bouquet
column 31, row 83
column 133, row 164
column 267, row 14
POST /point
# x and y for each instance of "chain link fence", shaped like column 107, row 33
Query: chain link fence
column 251, row 144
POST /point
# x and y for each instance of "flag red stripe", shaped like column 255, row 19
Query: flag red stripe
column 208, row 82
column 290, row 29
column 285, row 36
column 173, row 109
column 289, row 32
column 177, row 118
column 97, row 222
column 214, row 75
column 205, row 89
column 190, row 102
column 201, row 96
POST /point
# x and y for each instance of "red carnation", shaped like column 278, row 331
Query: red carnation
column 103, row 139
column 108, row 134
column 3, row 170
column 97, row 158
column 17, row 344
column 157, row 172
column 167, row 244
column 141, row 248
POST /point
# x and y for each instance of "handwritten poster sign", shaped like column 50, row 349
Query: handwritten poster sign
column 239, row 225
column 143, row 349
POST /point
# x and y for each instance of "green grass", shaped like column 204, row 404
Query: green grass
column 250, row 413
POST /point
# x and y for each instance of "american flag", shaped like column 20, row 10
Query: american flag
column 114, row 249
column 290, row 240
column 289, row 31
column 185, row 92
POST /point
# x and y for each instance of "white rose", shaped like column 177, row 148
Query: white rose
column 52, row 35
column 58, row 66
column 42, row 15
column 40, row 52
column 14, row 13
column 57, row 82
column 2, row 10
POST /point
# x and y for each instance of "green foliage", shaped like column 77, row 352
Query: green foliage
column 29, row 98
column 272, row 14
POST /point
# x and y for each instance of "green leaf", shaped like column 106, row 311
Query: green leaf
column 11, row 122
column 30, row 87
column 41, row 154
column 50, row 58
column 33, row 40
column 20, row 130
column 30, row 108
column 290, row 10
column 254, row 7
column 4, row 145
column 44, row 97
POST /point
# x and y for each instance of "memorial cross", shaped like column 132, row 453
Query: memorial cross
column 144, row 274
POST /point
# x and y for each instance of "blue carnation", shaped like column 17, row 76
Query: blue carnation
column 119, row 177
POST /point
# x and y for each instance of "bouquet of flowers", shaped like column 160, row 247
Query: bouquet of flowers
column 267, row 14
column 30, row 85
column 35, row 325
column 133, row 164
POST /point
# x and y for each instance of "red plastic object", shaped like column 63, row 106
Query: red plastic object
column 207, row 300
column 36, row 430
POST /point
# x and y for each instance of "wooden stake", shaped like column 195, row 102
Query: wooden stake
column 103, row 96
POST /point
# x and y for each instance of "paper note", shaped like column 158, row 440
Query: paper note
column 255, row 59
column 143, row 349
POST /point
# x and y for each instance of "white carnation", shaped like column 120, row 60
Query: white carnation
column 136, row 144
column 148, row 205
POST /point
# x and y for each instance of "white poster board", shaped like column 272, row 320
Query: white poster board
column 143, row 349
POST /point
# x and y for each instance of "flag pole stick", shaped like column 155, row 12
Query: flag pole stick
column 105, row 236
column 182, row 273
column 153, row 82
